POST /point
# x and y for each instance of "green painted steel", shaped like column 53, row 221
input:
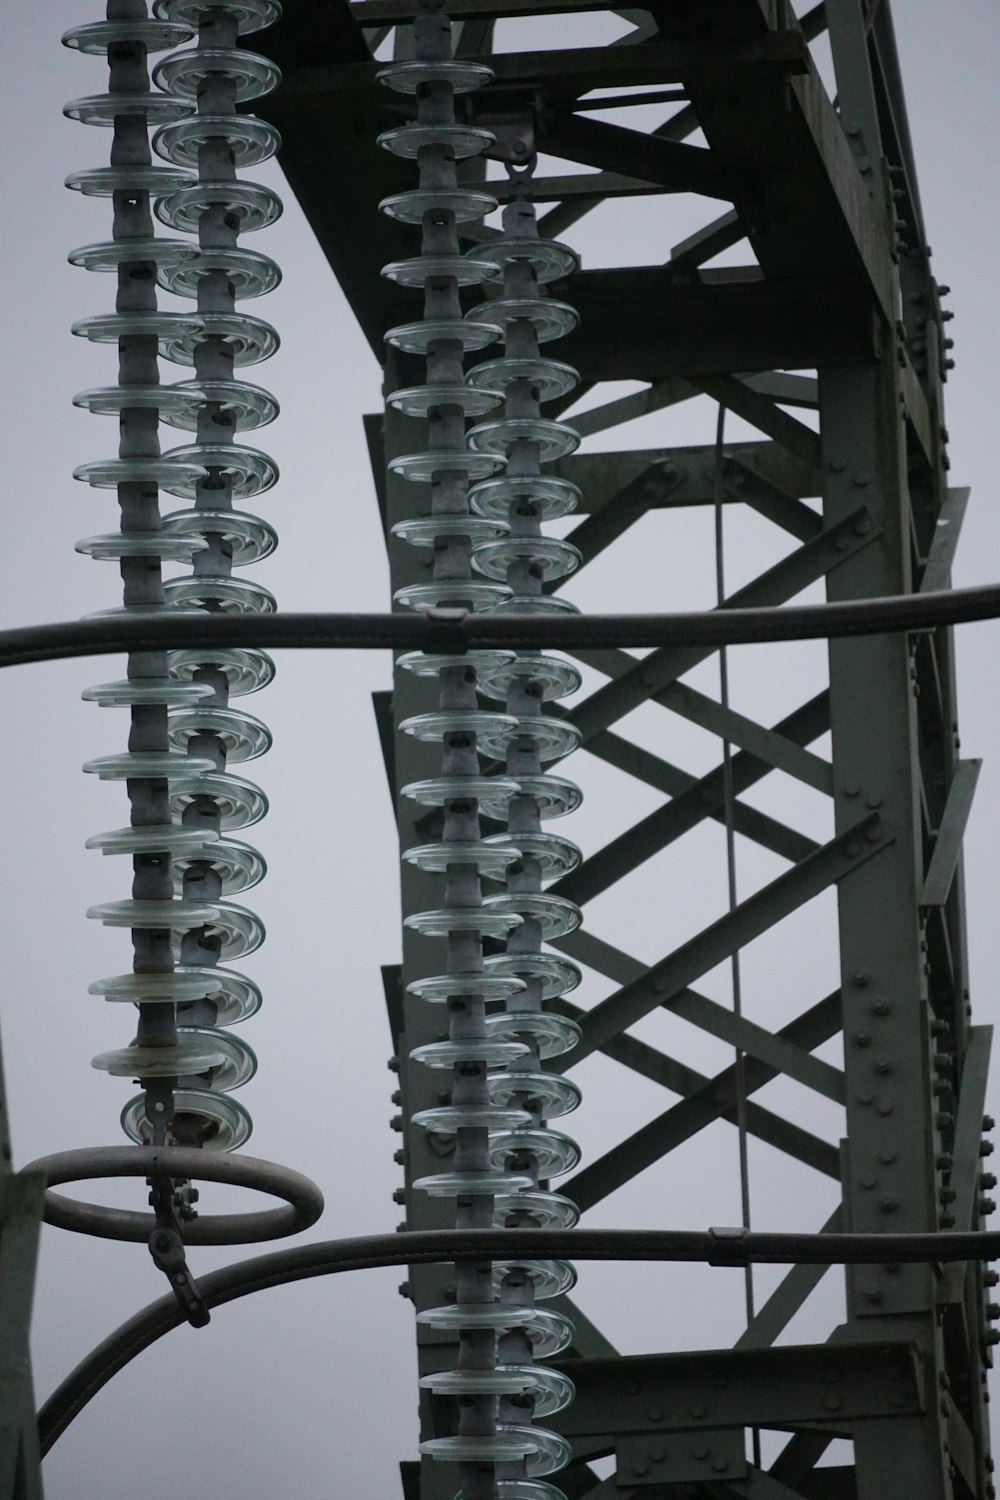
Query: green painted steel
column 841, row 286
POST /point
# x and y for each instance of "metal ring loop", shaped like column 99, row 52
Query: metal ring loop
column 303, row 1199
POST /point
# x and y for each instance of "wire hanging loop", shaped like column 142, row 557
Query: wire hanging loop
column 166, row 1243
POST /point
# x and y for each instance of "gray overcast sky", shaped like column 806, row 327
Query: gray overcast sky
column 311, row 1390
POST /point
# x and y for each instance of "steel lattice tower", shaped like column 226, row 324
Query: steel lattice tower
column 829, row 342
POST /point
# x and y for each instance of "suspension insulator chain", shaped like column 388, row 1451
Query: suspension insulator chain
column 527, row 560
column 184, row 733
column 497, row 1029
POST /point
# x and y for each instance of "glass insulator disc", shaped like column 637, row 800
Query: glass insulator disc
column 224, row 1124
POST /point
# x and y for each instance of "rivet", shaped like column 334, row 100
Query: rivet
column 701, row 1453
column 885, row 1107
column 632, row 1387
column 639, row 1466
column 655, row 1414
column 719, row 1463
column 851, row 789
column 832, row 1402
column 860, row 979
column 698, row 1410
column 881, row 1008
column 887, row 1158
column 658, row 1455
column 882, row 1066
column 860, row 481
column 865, row 1096
column 888, row 1205
column 868, row 1179
column 862, row 1038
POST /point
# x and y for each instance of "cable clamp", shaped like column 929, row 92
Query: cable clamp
column 446, row 632
column 729, row 1246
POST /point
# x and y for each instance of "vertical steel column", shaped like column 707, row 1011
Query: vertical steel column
column 897, row 1134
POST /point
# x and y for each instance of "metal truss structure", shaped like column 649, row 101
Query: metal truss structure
column 835, row 316
column 825, row 197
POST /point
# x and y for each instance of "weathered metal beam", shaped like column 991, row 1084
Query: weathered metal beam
column 596, row 185
column 769, row 500
column 601, row 475
column 706, row 1100
column 748, row 821
column 950, row 833
column 764, row 414
column 22, row 1199
column 947, row 534
column 849, row 851
column 820, row 214
column 783, row 581
column 715, row 1099
column 569, row 72
column 677, row 168
column 966, row 1161
column 706, row 797
column 771, row 1048
column 759, row 1043
column 644, row 323
column 826, row 1385
column 779, row 752
column 690, row 1459
column 721, row 234
column 655, row 397
column 598, row 530
column 785, row 387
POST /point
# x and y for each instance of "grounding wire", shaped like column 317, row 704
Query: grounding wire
column 460, row 630
column 729, row 806
column 729, row 812
column 717, row 1247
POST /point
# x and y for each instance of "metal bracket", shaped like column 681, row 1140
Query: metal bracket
column 166, row 1246
column 682, row 1458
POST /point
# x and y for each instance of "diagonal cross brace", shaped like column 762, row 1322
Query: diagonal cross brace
column 781, row 752
column 771, row 834
column 782, row 582
column 598, row 530
column 735, row 930
column 711, row 1099
column 705, row 798
column 710, row 1016
column 716, row 1099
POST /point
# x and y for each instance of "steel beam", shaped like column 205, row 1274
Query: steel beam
column 787, row 578
column 705, row 1100
column 850, row 850
column 833, row 1385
